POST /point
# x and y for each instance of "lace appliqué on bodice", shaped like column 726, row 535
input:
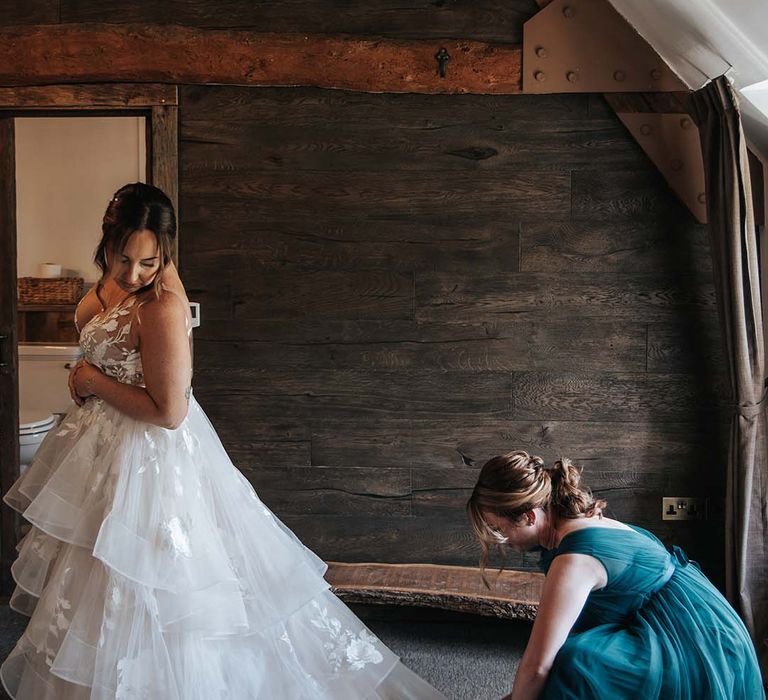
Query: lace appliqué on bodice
column 106, row 343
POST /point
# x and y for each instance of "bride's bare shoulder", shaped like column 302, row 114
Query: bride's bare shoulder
column 170, row 307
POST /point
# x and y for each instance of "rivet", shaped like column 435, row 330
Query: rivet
column 686, row 123
column 571, row 76
column 539, row 75
column 656, row 74
column 541, row 52
column 677, row 164
column 619, row 76
column 646, row 129
column 702, row 197
column 568, row 11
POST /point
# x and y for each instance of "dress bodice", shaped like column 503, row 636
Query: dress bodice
column 635, row 561
column 106, row 342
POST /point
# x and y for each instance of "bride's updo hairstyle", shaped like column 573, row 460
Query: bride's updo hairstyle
column 136, row 207
column 512, row 484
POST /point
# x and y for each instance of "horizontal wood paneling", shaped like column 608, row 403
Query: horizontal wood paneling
column 634, row 446
column 440, row 539
column 540, row 295
column 321, row 394
column 400, row 249
column 314, row 109
column 436, row 490
column 485, row 19
column 329, row 490
column 16, row 12
column 303, row 196
column 422, row 347
column 685, row 346
column 447, row 540
column 558, row 300
column 624, row 194
column 627, row 246
column 615, row 396
column 445, row 141
column 356, row 295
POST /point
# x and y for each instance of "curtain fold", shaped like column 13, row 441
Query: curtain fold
column 737, row 283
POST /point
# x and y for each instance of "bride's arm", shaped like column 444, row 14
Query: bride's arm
column 166, row 364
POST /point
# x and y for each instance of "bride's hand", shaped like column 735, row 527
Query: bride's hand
column 70, row 384
column 80, row 378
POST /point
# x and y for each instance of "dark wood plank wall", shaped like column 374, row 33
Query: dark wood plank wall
column 482, row 20
column 396, row 287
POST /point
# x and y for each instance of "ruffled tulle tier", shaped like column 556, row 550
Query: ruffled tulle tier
column 153, row 570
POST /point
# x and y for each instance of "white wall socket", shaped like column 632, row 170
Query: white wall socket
column 194, row 309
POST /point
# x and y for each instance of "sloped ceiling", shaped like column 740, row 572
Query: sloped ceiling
column 702, row 39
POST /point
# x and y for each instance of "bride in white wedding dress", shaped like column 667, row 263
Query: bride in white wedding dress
column 152, row 570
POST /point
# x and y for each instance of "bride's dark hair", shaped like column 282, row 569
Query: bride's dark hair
column 136, row 207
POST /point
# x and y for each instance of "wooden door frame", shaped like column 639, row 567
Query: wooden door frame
column 159, row 104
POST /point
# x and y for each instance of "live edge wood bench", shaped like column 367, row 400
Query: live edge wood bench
column 513, row 594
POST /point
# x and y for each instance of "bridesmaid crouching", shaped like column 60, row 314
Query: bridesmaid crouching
column 620, row 617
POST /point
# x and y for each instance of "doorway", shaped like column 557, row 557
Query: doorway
column 24, row 115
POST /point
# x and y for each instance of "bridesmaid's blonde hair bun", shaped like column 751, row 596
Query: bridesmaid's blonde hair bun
column 511, row 484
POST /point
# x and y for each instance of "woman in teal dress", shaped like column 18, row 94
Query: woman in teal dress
column 620, row 617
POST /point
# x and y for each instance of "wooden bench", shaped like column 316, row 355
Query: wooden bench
column 513, row 594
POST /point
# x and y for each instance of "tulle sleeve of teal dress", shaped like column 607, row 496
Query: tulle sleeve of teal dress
column 658, row 629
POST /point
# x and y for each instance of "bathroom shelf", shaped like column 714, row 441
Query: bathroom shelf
column 51, row 323
column 46, row 307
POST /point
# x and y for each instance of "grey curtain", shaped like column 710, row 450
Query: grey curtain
column 737, row 283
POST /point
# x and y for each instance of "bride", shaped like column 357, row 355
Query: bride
column 152, row 570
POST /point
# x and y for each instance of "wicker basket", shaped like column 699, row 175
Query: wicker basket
column 42, row 290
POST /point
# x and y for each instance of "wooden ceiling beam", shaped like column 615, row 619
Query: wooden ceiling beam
column 109, row 53
column 128, row 95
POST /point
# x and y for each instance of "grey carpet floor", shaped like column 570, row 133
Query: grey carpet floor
column 466, row 657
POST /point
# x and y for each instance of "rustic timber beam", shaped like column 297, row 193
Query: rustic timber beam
column 512, row 595
column 109, row 53
column 125, row 95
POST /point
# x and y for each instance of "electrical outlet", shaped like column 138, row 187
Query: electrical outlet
column 194, row 310
column 683, row 508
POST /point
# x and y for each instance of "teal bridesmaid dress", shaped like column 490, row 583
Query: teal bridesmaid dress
column 658, row 629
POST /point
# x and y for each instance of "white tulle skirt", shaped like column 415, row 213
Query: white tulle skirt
column 154, row 571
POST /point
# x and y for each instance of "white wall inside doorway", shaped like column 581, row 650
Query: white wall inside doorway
column 67, row 169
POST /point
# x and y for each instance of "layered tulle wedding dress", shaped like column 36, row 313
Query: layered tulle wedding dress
column 152, row 570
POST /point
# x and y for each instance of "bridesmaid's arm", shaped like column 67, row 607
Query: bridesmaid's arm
column 569, row 581
column 166, row 364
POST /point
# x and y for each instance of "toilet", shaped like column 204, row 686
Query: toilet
column 43, row 392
